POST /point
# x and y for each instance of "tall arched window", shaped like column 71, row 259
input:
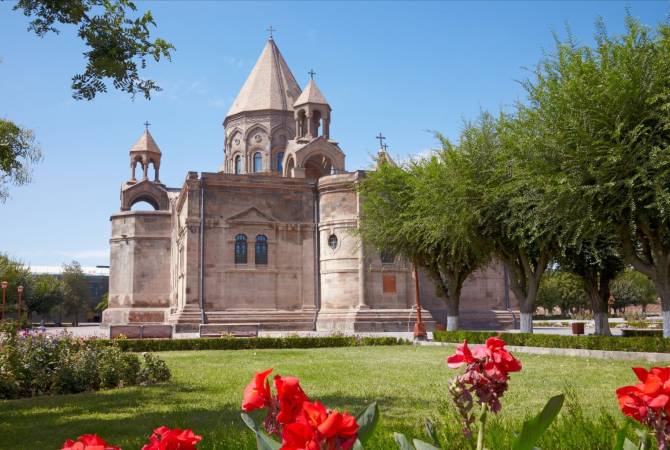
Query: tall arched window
column 238, row 164
column 280, row 160
column 261, row 249
column 240, row 249
column 258, row 162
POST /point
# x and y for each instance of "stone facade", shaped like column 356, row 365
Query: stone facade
column 270, row 238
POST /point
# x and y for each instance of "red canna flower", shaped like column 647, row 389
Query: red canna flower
column 648, row 402
column 317, row 428
column 88, row 442
column 499, row 362
column 486, row 376
column 257, row 394
column 164, row 438
column 631, row 403
column 463, row 356
column 291, row 397
column 298, row 436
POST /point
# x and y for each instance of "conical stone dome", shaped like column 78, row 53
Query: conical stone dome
column 269, row 86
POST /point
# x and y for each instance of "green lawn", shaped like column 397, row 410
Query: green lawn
column 409, row 382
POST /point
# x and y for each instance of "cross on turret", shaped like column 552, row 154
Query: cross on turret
column 270, row 30
column 381, row 139
column 311, row 73
column 146, row 124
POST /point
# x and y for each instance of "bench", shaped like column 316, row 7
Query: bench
column 215, row 330
column 141, row 331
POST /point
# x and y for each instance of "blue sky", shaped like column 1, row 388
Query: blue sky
column 400, row 68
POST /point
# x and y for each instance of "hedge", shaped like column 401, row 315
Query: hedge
column 232, row 343
column 627, row 344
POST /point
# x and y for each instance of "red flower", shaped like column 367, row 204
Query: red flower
column 652, row 394
column 298, row 436
column 164, row 438
column 316, row 428
column 631, row 403
column 499, row 361
column 291, row 397
column 257, row 394
column 463, row 356
column 88, row 442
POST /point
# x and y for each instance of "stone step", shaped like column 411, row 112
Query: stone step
column 488, row 320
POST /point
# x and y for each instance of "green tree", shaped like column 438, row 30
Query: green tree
column 76, row 291
column 561, row 289
column 407, row 210
column 16, row 274
column 18, row 153
column 510, row 205
column 103, row 304
column 119, row 46
column 48, row 293
column 633, row 288
column 604, row 113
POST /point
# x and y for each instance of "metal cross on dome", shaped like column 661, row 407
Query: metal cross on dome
column 270, row 30
column 146, row 124
column 381, row 139
column 311, row 73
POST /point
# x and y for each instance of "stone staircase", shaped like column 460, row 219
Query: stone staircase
column 488, row 320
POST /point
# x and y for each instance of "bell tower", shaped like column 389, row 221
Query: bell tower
column 145, row 152
column 312, row 113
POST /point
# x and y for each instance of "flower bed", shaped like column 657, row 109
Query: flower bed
column 33, row 364
column 629, row 344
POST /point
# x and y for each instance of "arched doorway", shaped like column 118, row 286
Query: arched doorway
column 317, row 166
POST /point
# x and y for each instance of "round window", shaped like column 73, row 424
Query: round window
column 332, row 241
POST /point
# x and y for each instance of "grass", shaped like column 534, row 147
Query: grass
column 410, row 384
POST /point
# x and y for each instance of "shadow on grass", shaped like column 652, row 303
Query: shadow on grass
column 124, row 417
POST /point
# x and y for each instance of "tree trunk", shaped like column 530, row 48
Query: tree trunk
column 654, row 262
column 597, row 288
column 453, row 302
column 528, row 304
column 663, row 290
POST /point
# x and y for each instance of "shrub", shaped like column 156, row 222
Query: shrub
column 627, row 344
column 232, row 343
column 37, row 364
column 155, row 370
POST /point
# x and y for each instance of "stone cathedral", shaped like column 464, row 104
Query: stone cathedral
column 267, row 239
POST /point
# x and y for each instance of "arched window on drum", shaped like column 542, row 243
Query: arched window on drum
column 280, row 162
column 238, row 164
column 258, row 162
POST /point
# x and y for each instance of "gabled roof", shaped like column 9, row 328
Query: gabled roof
column 146, row 143
column 251, row 215
column 311, row 94
column 270, row 85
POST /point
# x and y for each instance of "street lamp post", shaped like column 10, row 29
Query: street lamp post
column 4, row 285
column 18, row 305
column 419, row 326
